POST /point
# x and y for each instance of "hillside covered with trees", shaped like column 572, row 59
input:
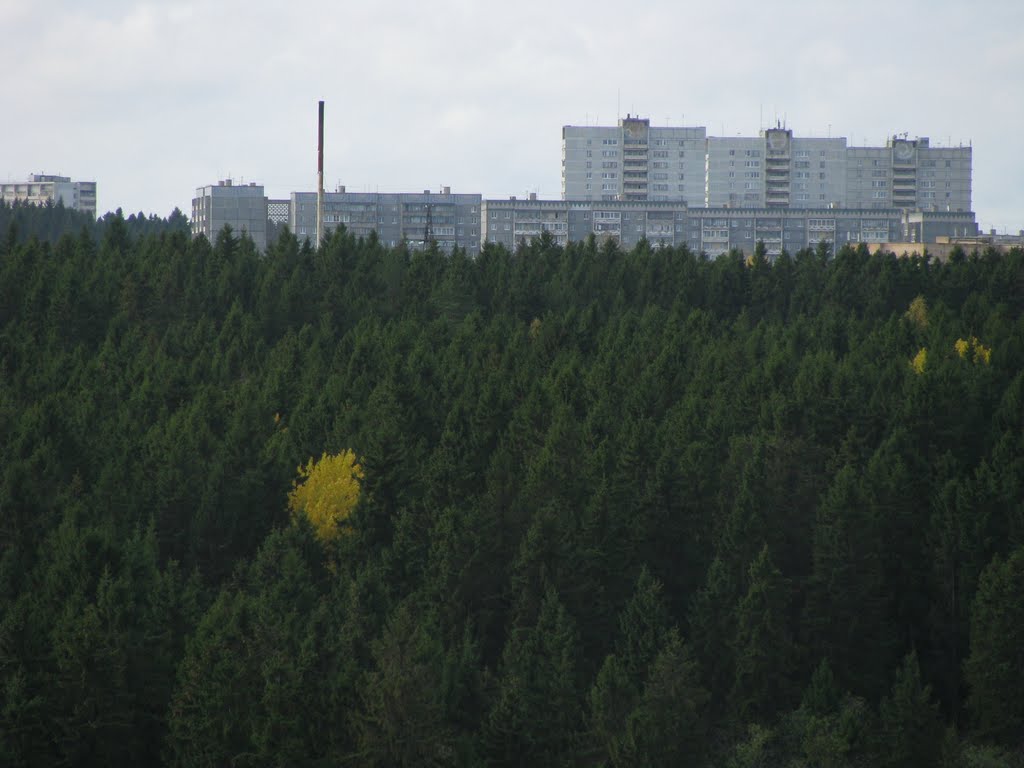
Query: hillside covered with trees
column 362, row 506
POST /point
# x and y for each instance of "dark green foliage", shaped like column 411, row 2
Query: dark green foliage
column 995, row 667
column 911, row 731
column 619, row 508
column 536, row 709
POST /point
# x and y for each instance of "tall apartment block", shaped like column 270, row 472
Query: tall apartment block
column 451, row 219
column 242, row 207
column 635, row 161
column 41, row 189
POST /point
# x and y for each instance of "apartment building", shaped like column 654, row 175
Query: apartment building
column 450, row 219
column 627, row 221
column 41, row 189
column 712, row 230
column 637, row 161
column 633, row 161
column 909, row 173
column 777, row 170
column 243, row 207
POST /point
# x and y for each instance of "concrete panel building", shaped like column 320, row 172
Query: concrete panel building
column 627, row 221
column 41, row 189
column 734, row 173
column 242, row 207
column 909, row 173
column 713, row 230
column 453, row 219
column 637, row 161
column 633, row 161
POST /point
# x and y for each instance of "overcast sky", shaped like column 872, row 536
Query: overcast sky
column 155, row 99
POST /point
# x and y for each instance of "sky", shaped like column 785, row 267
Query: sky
column 154, row 99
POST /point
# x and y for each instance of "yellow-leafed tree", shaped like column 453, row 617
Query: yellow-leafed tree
column 920, row 361
column 917, row 314
column 326, row 491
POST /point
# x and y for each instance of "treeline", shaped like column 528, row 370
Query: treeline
column 617, row 508
column 20, row 221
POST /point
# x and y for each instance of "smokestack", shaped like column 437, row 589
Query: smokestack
column 320, row 178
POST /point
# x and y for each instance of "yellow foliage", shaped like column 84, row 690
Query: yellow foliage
column 535, row 328
column 981, row 353
column 326, row 492
column 920, row 360
column 917, row 314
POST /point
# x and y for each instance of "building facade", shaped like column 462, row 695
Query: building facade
column 633, row 161
column 242, row 207
column 450, row 219
column 627, row 221
column 41, row 189
column 713, row 230
column 637, row 161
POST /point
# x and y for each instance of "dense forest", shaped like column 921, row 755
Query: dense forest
column 20, row 221
column 353, row 505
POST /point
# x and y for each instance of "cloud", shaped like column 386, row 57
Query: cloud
column 153, row 99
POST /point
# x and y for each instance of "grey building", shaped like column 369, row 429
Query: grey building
column 41, row 189
column 242, row 207
column 909, row 173
column 627, row 221
column 635, row 161
column 713, row 230
column 453, row 219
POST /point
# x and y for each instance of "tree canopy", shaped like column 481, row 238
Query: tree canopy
column 573, row 505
